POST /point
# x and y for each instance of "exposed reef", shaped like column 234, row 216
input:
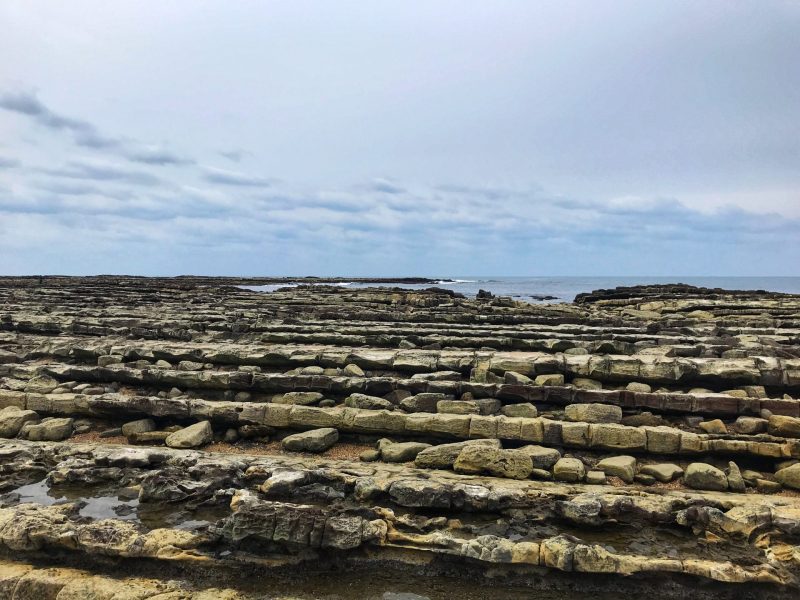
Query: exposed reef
column 180, row 438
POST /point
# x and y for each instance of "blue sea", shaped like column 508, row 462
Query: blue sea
column 564, row 289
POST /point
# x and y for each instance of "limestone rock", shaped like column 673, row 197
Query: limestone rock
column 442, row 456
column 714, row 426
column 593, row 413
column 48, row 430
column 634, row 386
column 352, row 370
column 368, row 402
column 515, row 378
column 702, row 476
column 369, row 456
column 475, row 459
column 525, row 409
column 300, row 398
column 735, row 480
column 623, row 467
column 789, row 477
column 551, row 379
column 663, row 472
column 425, row 402
column 402, row 451
column 42, row 384
column 315, row 440
column 784, row 426
column 108, row 359
column 584, row 383
column 570, row 470
column 13, row 418
column 192, row 436
column 543, row 458
column 458, row 407
column 750, row 425
column 596, row 478
column 139, row 426
column 189, row 365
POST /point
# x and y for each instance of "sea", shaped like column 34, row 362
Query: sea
column 564, row 289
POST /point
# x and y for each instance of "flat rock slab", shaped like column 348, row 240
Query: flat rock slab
column 193, row 436
column 316, row 440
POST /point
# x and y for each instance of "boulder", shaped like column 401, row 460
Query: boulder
column 474, row 459
column 49, row 430
column 397, row 396
column 42, row 384
column 255, row 431
column 584, row 383
column 543, row 458
column 784, row 426
column 402, row 452
column 190, row 365
column 315, row 440
column 139, row 426
column 765, row 486
column 352, row 370
column 645, row 418
column 593, row 413
column 596, row 478
column 515, row 378
column 714, row 426
column 525, row 409
column 368, row 402
column 750, row 425
column 634, row 386
column 663, row 472
column 108, row 359
column 193, row 436
column 301, row 398
column 149, row 437
column 425, row 402
column 458, row 407
column 702, row 476
column 570, row 470
column 551, row 379
column 789, row 477
column 735, row 480
column 443, row 456
column 623, row 467
column 487, row 406
column 13, row 418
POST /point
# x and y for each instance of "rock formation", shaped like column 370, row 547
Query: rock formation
column 177, row 436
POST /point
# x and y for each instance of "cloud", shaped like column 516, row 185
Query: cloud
column 223, row 177
column 9, row 163
column 153, row 155
column 235, row 155
column 86, row 135
column 354, row 230
column 385, row 186
column 102, row 171
column 28, row 104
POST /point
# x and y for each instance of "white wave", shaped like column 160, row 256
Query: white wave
column 272, row 287
column 454, row 281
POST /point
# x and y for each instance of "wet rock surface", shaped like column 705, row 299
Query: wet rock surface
column 638, row 439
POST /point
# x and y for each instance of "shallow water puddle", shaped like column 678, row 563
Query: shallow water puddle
column 105, row 504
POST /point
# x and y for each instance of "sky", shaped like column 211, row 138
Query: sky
column 430, row 138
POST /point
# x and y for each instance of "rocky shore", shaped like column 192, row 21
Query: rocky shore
column 187, row 438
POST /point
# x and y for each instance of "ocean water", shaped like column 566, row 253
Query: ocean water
column 564, row 289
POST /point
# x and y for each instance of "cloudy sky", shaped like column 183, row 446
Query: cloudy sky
column 400, row 138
